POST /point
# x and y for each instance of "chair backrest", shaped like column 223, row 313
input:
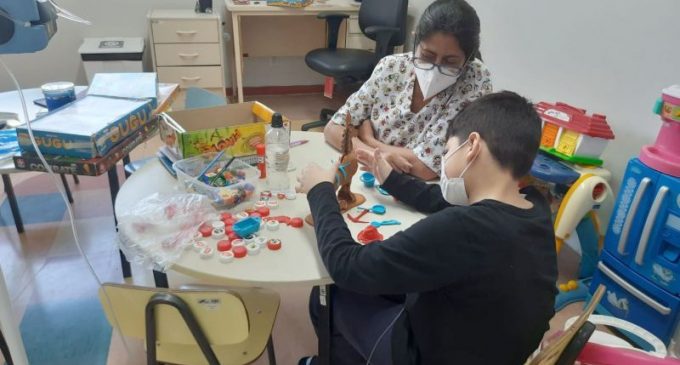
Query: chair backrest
column 386, row 13
column 551, row 354
column 236, row 322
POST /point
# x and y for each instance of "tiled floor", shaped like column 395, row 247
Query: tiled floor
column 44, row 265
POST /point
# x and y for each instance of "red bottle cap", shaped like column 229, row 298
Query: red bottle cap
column 225, row 216
column 263, row 211
column 228, row 222
column 255, row 214
column 260, row 149
column 240, row 251
column 281, row 219
column 232, row 235
column 296, row 223
column 205, row 231
column 274, row 244
column 223, row 245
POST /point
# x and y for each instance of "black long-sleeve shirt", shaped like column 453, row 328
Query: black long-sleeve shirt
column 479, row 280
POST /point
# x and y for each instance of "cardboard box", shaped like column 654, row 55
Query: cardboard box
column 236, row 128
column 140, row 85
column 88, row 167
column 88, row 127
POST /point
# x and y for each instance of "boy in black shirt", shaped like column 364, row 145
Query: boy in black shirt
column 477, row 275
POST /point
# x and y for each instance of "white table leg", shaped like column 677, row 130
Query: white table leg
column 238, row 55
column 9, row 327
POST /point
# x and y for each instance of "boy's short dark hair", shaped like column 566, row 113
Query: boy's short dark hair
column 509, row 125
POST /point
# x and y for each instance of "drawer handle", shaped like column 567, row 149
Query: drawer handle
column 634, row 205
column 185, row 32
column 195, row 78
column 188, row 55
column 633, row 290
column 649, row 224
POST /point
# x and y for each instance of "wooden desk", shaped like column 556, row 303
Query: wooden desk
column 257, row 36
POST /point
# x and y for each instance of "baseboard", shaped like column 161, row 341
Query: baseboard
column 279, row 90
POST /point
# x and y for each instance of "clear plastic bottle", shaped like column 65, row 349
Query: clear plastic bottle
column 277, row 148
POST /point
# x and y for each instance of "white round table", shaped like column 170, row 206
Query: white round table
column 298, row 261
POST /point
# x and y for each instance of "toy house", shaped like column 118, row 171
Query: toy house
column 572, row 135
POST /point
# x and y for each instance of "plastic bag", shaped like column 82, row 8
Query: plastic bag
column 156, row 231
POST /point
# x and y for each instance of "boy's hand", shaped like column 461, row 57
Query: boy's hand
column 313, row 174
column 379, row 164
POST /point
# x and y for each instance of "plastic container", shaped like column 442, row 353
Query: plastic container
column 58, row 94
column 277, row 152
column 229, row 196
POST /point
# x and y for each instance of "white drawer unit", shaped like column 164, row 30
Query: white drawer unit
column 198, row 76
column 187, row 48
column 193, row 54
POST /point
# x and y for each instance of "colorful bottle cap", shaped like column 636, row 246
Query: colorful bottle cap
column 217, row 224
column 368, row 179
column 238, row 243
column 281, row 196
column 253, row 249
column 263, row 211
column 260, row 204
column 249, row 239
column 273, row 204
column 199, row 245
column 205, row 230
column 274, row 244
column 291, row 196
column 218, row 232
column 225, row 215
column 223, row 245
column 207, row 252
column 226, row 257
column 261, row 241
column 296, row 223
column 242, row 215
column 239, row 251
column 272, row 225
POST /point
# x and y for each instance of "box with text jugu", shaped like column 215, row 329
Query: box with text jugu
column 86, row 128
column 236, row 128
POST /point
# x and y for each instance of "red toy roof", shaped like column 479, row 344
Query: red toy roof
column 569, row 117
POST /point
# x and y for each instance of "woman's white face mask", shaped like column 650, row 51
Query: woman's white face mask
column 432, row 82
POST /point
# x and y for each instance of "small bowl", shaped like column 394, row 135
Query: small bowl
column 368, row 179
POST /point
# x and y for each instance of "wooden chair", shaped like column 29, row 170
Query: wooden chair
column 194, row 327
column 570, row 342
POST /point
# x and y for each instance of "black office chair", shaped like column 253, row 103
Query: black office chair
column 383, row 21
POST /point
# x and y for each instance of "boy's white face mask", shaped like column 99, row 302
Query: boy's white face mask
column 453, row 189
column 432, row 82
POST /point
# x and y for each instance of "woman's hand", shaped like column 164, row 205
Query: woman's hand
column 366, row 133
column 381, row 164
column 312, row 175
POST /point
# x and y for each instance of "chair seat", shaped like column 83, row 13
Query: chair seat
column 341, row 62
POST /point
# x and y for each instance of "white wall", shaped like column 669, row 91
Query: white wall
column 608, row 56
column 61, row 61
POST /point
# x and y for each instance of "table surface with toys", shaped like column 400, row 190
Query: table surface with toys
column 276, row 247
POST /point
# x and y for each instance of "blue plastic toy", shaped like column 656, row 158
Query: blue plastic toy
column 391, row 222
column 368, row 179
column 376, row 209
column 247, row 226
